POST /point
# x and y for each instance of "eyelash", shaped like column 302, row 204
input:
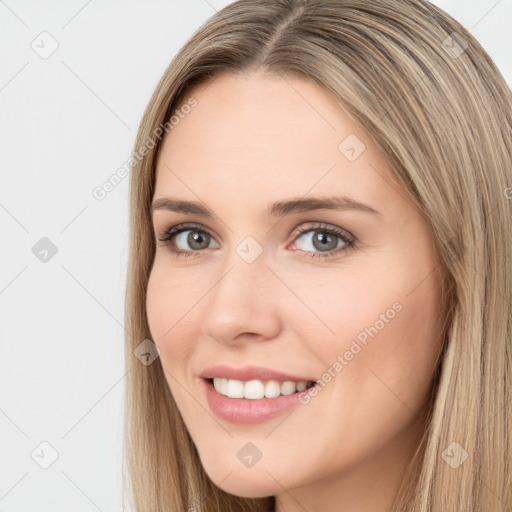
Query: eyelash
column 172, row 232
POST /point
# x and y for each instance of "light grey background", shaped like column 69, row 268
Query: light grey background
column 67, row 122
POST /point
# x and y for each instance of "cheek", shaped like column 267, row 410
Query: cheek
column 338, row 306
column 415, row 343
column 380, row 364
column 380, row 330
column 169, row 304
column 397, row 328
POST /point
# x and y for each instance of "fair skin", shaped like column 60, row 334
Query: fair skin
column 252, row 140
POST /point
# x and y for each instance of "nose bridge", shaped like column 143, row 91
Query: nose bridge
column 240, row 300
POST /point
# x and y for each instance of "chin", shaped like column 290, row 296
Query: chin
column 244, row 489
column 244, row 482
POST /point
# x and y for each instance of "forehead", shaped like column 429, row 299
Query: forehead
column 265, row 136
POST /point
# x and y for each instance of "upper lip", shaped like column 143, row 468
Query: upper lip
column 246, row 373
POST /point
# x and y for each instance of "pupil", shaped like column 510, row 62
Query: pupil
column 323, row 240
column 195, row 237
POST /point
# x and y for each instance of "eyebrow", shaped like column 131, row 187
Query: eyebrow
column 277, row 209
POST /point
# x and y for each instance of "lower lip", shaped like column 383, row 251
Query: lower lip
column 245, row 410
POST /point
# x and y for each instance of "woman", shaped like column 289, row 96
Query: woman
column 319, row 290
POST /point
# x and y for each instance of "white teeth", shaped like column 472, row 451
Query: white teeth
column 288, row 387
column 221, row 385
column 235, row 388
column 301, row 386
column 272, row 389
column 256, row 389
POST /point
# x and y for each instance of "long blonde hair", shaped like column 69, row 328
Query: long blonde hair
column 441, row 113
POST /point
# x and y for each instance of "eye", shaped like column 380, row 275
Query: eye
column 191, row 239
column 325, row 239
column 188, row 239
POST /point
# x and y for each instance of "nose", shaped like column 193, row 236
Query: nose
column 243, row 304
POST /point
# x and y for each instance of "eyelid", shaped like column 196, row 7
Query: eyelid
column 306, row 227
column 348, row 239
column 185, row 226
column 311, row 225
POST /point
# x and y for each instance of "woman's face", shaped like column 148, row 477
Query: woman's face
column 344, row 296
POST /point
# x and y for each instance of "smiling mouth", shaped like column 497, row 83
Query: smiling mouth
column 258, row 389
